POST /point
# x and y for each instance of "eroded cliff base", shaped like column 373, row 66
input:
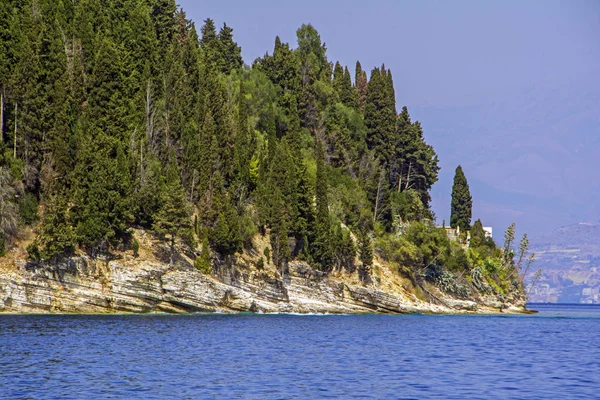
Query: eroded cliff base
column 152, row 282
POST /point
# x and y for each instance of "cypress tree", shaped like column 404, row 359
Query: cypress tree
column 305, row 221
column 348, row 94
column 460, row 207
column 361, row 86
column 338, row 80
column 322, row 252
column 365, row 248
column 380, row 115
column 477, row 234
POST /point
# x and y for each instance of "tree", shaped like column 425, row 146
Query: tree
column 380, row 115
column 322, row 252
column 415, row 163
column 461, row 204
column 365, row 248
column 9, row 214
column 231, row 53
column 173, row 218
column 477, row 234
column 57, row 235
column 361, row 86
column 244, row 148
column 225, row 236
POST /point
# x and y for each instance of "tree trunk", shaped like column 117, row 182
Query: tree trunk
column 15, row 141
column 408, row 175
column 2, row 115
column 172, row 250
column 377, row 198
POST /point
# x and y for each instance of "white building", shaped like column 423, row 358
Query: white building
column 488, row 231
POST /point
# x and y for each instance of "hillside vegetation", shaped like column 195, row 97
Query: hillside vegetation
column 120, row 115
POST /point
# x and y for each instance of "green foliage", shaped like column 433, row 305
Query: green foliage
column 203, row 262
column 407, row 205
column 415, row 163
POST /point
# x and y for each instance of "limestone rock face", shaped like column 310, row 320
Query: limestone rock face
column 84, row 285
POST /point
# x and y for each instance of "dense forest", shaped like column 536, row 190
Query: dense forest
column 119, row 115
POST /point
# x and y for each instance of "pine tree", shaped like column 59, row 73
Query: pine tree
column 460, row 207
column 415, row 164
column 225, row 235
column 231, row 53
column 163, row 13
column 172, row 218
column 209, row 42
column 57, row 235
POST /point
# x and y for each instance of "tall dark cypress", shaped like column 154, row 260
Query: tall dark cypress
column 348, row 94
column 461, row 204
column 322, row 252
column 380, row 115
column 338, row 80
column 244, row 148
column 361, row 86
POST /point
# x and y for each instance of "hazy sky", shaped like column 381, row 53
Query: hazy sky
column 455, row 55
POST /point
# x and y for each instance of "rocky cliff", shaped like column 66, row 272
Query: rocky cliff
column 148, row 283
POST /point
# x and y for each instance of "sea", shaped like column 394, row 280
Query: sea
column 553, row 354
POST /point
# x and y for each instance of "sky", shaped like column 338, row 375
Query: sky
column 508, row 89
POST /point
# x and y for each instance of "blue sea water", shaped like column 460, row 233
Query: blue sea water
column 551, row 355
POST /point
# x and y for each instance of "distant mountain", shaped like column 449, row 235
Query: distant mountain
column 570, row 261
column 530, row 157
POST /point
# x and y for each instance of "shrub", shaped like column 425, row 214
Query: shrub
column 136, row 247
column 202, row 264
column 33, row 251
column 28, row 208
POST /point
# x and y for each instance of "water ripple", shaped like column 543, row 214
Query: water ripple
column 549, row 355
